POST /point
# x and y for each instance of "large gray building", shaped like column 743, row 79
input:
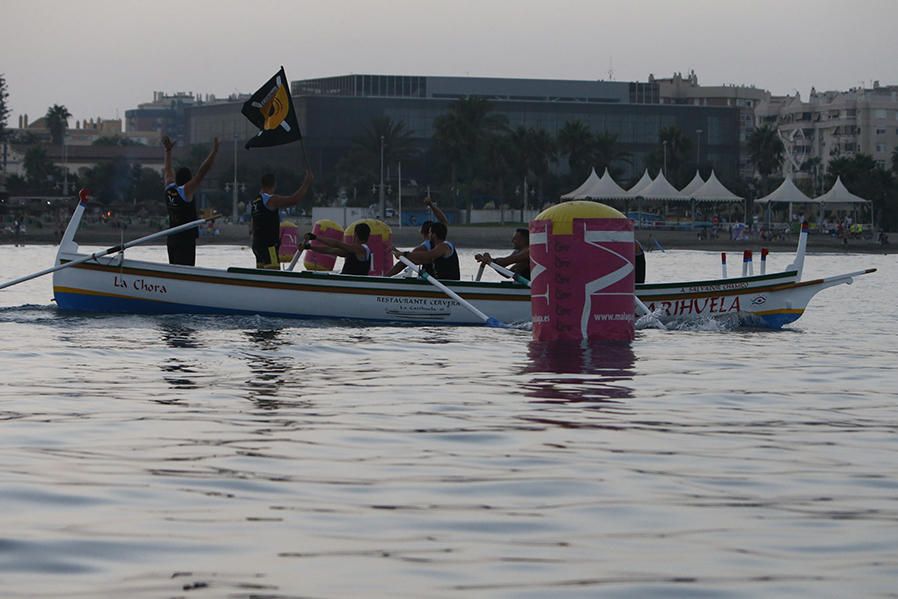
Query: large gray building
column 335, row 110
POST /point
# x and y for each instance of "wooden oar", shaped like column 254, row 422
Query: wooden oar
column 487, row 320
column 509, row 273
column 640, row 305
column 295, row 258
column 480, row 271
column 112, row 250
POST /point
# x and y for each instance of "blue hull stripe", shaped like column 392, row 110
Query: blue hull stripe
column 105, row 304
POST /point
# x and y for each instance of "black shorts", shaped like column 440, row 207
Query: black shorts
column 181, row 250
column 267, row 257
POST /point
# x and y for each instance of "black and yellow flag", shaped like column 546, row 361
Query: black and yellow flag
column 271, row 110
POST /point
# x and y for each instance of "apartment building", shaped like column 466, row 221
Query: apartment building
column 832, row 124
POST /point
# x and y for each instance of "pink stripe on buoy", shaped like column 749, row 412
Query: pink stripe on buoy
column 764, row 253
column 723, row 264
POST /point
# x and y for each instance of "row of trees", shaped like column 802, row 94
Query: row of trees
column 476, row 153
column 115, row 181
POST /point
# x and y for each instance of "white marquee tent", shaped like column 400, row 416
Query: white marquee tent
column 580, row 192
column 607, row 189
column 714, row 191
column 786, row 193
column 839, row 195
column 660, row 189
column 693, row 185
column 643, row 182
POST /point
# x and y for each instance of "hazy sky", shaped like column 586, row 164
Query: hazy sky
column 101, row 57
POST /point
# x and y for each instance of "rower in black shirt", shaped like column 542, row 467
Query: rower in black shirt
column 425, row 236
column 267, row 219
column 179, row 190
column 442, row 255
column 519, row 260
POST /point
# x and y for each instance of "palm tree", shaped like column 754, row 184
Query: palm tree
column 542, row 152
column 606, row 153
column 679, row 148
column 498, row 163
column 398, row 143
column 360, row 166
column 577, row 142
column 4, row 108
column 766, row 150
column 38, row 167
column 531, row 152
column 462, row 136
column 58, row 121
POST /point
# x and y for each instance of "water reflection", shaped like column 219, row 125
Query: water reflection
column 268, row 369
column 179, row 369
column 573, row 372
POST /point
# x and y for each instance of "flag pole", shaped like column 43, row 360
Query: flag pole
column 305, row 156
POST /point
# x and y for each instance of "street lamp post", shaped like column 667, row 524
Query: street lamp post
column 664, row 143
column 65, row 166
column 381, row 199
column 234, row 215
column 698, row 147
column 235, row 187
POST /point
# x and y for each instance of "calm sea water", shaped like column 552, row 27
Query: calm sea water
column 256, row 457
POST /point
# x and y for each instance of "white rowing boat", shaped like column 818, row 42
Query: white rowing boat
column 116, row 284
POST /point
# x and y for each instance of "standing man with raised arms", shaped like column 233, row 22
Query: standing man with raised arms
column 179, row 190
column 267, row 218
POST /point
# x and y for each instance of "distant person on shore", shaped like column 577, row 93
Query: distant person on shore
column 266, row 218
column 441, row 255
column 425, row 238
column 17, row 231
column 179, row 190
column 519, row 260
column 356, row 255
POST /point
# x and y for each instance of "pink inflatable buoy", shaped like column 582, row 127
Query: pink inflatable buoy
column 313, row 260
column 289, row 231
column 582, row 272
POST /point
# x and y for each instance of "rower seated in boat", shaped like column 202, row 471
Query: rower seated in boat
column 441, row 255
column 267, row 218
column 519, row 260
column 425, row 239
column 356, row 255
